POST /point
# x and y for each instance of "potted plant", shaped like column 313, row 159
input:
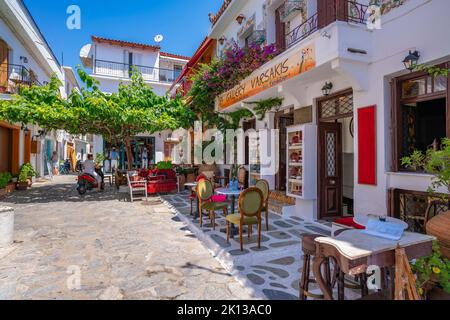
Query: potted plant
column 4, row 181
column 31, row 172
column 436, row 162
column 433, row 274
column 23, row 180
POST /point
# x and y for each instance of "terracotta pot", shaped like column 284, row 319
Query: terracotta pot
column 439, row 227
column 10, row 187
column 30, row 182
column 3, row 89
column 438, row 294
column 22, row 185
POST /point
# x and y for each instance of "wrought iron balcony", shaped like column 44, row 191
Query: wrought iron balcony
column 302, row 31
column 123, row 70
column 14, row 76
column 348, row 11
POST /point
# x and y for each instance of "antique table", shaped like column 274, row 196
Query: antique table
column 355, row 251
column 232, row 193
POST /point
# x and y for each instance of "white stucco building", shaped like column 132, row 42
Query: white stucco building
column 26, row 59
column 375, row 111
column 112, row 61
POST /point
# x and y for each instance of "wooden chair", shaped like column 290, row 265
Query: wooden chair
column 205, row 191
column 139, row 186
column 250, row 204
column 263, row 185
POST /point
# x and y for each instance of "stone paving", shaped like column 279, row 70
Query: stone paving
column 272, row 272
column 98, row 247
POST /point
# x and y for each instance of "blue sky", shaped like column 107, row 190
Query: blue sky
column 184, row 23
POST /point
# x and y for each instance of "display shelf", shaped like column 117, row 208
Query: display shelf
column 302, row 161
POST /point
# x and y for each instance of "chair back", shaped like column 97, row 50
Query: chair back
column 251, row 202
column 205, row 190
column 263, row 185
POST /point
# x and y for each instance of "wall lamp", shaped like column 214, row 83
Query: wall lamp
column 411, row 60
column 326, row 89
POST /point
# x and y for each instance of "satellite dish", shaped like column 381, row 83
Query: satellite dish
column 159, row 38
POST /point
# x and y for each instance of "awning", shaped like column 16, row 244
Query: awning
column 85, row 56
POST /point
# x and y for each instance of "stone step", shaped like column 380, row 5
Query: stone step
column 280, row 196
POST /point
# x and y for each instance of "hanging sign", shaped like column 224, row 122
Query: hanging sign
column 276, row 72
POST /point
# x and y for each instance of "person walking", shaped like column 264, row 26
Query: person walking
column 114, row 157
column 144, row 158
column 55, row 163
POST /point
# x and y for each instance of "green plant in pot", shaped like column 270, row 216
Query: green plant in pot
column 435, row 161
column 432, row 272
column 22, row 181
column 32, row 173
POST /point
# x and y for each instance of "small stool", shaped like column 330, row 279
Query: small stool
column 309, row 250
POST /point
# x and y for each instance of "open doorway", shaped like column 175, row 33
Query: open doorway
column 283, row 120
column 336, row 156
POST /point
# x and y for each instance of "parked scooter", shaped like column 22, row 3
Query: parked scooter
column 87, row 182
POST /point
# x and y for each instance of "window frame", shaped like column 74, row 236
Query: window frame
column 397, row 101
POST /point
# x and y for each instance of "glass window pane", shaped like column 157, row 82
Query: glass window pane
column 440, row 83
column 414, row 88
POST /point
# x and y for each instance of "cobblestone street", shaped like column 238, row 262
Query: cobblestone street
column 117, row 250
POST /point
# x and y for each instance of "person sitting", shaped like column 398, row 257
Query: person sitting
column 89, row 168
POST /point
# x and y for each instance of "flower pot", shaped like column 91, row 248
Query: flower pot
column 3, row 89
column 22, row 185
column 438, row 227
column 438, row 294
column 10, row 187
column 30, row 181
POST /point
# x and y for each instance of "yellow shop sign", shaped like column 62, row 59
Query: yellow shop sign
column 259, row 81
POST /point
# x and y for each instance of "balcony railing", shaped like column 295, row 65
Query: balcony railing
column 352, row 12
column 14, row 76
column 302, row 31
column 123, row 70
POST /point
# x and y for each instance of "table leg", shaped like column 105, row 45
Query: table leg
column 233, row 230
column 317, row 264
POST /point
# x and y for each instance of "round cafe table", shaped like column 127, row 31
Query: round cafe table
column 229, row 193
column 363, row 220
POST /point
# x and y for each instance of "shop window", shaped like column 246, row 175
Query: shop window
column 419, row 117
column 423, row 124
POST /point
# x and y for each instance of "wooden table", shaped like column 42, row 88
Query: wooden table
column 355, row 251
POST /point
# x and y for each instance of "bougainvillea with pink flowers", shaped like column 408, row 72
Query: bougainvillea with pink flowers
column 223, row 74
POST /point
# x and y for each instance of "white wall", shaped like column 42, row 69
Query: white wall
column 416, row 25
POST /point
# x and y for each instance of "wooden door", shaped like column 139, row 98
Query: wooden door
column 280, row 29
column 4, row 53
column 330, row 170
column 283, row 122
column 326, row 12
column 5, row 149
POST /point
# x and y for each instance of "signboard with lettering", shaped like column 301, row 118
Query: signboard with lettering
column 270, row 76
